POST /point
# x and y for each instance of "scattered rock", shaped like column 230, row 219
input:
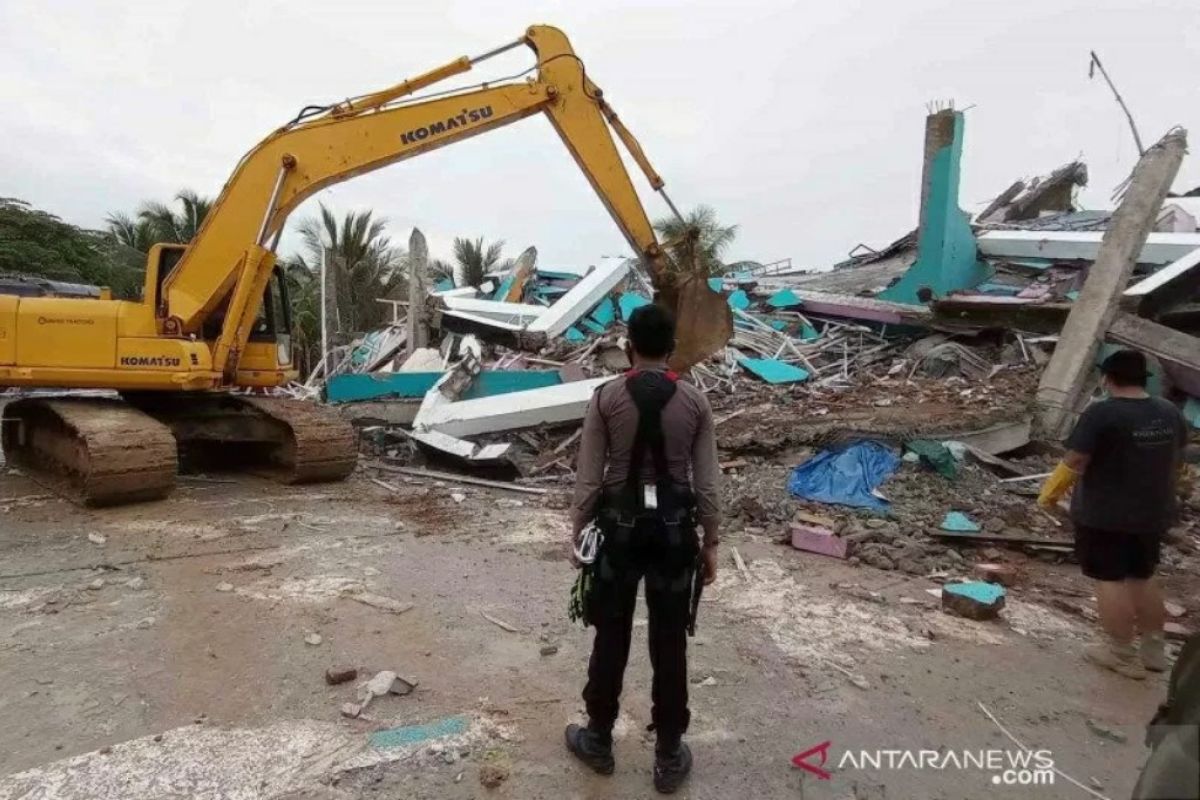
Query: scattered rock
column 381, row 683
column 492, row 775
column 106, row 750
column 224, row 586
column 548, row 649
column 336, row 675
column 992, row 572
column 709, row 681
column 1105, row 732
column 96, row 584
column 313, row 639
column 136, row 584
column 911, row 566
column 876, row 523
column 370, row 572
column 1175, row 631
column 351, row 710
column 878, row 560
column 380, row 602
column 158, row 737
column 145, row 622
column 96, row 538
column 975, row 600
column 457, row 497
column 1174, row 609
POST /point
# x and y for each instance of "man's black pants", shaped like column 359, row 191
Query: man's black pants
column 611, row 610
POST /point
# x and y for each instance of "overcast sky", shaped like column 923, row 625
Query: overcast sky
column 800, row 122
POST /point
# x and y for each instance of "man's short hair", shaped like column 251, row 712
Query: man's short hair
column 1126, row 368
column 652, row 331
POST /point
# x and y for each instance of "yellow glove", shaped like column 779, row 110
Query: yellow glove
column 1057, row 485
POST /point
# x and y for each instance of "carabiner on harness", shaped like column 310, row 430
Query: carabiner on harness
column 588, row 544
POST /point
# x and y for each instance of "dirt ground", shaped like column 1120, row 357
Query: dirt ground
column 159, row 651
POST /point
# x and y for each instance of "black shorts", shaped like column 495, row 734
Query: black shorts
column 1115, row 556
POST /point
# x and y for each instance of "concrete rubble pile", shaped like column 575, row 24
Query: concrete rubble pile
column 945, row 350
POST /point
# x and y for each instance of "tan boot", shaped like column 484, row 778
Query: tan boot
column 1153, row 651
column 1120, row 658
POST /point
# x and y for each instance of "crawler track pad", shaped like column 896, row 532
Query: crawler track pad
column 93, row 451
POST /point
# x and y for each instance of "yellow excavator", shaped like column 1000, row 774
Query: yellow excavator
column 214, row 314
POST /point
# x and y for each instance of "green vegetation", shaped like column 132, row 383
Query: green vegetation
column 701, row 232
column 35, row 242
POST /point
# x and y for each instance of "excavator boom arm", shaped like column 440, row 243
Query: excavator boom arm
column 227, row 263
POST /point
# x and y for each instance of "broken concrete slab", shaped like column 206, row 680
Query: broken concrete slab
column 1061, row 390
column 817, row 539
column 549, row 405
column 1159, row 248
column 774, row 371
column 974, row 600
column 522, row 271
column 467, row 453
column 1177, row 352
column 580, row 299
column 1169, row 286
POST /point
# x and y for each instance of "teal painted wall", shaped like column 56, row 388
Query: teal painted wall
column 414, row 385
column 947, row 256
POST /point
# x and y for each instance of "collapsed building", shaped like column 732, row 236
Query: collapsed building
column 966, row 345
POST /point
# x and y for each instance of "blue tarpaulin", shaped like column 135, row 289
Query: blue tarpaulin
column 716, row 284
column 808, row 333
column 574, row 335
column 845, row 476
column 444, row 285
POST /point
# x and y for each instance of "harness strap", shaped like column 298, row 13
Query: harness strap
column 650, row 391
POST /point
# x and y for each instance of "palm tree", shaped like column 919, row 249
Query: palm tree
column 170, row 226
column 136, row 234
column 473, row 261
column 364, row 264
column 698, row 230
column 157, row 222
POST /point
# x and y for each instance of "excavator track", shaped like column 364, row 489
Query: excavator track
column 290, row 441
column 93, row 451
column 323, row 445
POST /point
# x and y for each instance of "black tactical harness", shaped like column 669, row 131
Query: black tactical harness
column 656, row 539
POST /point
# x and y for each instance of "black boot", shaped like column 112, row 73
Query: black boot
column 593, row 747
column 672, row 763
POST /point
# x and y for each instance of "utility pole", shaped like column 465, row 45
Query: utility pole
column 1095, row 63
column 324, row 314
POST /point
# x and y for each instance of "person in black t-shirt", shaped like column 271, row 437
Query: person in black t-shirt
column 1125, row 453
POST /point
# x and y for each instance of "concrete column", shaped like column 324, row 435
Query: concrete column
column 947, row 256
column 418, row 289
column 1060, row 393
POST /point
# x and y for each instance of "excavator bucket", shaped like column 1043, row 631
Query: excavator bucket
column 703, row 321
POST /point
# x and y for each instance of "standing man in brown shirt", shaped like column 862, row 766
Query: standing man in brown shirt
column 647, row 474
